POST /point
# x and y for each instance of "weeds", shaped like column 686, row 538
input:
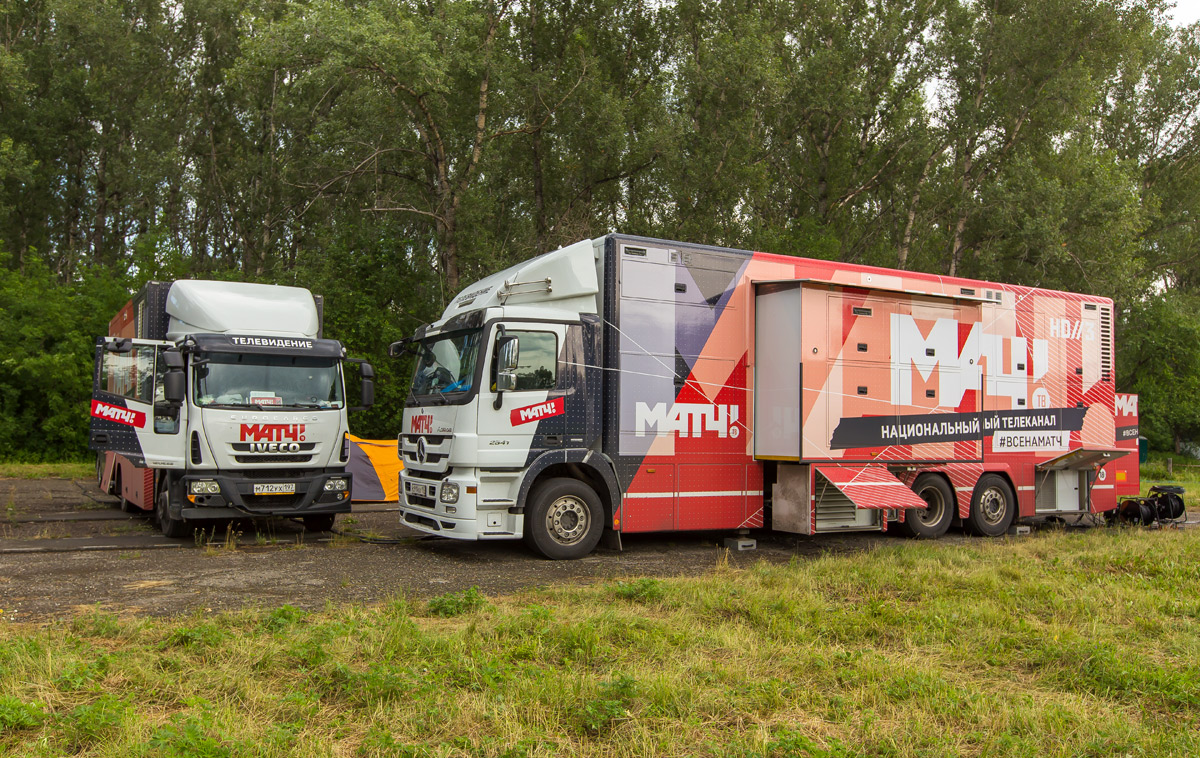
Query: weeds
column 91, row 723
column 456, row 603
column 190, row 737
column 643, row 590
column 15, row 714
column 611, row 705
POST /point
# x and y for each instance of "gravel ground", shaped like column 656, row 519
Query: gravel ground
column 66, row 548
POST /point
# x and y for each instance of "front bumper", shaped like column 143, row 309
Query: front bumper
column 237, row 497
column 472, row 516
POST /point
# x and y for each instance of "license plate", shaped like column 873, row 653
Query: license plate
column 420, row 490
column 275, row 489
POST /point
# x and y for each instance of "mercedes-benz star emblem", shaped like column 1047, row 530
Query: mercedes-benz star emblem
column 421, row 455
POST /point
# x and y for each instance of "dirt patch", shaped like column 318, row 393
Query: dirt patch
column 121, row 564
column 76, row 550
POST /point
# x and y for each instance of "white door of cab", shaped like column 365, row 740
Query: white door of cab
column 129, row 414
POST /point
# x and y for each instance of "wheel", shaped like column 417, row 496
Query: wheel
column 318, row 523
column 564, row 519
column 171, row 527
column 993, row 507
column 932, row 522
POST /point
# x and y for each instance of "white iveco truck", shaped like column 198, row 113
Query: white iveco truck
column 215, row 400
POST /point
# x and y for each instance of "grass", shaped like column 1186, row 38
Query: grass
column 1185, row 472
column 80, row 470
column 1065, row 643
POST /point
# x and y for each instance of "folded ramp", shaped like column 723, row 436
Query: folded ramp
column 869, row 486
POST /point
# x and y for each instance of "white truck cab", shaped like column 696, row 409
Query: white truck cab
column 219, row 400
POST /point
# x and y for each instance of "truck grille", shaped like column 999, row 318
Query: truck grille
column 437, row 450
column 430, row 439
column 429, row 476
column 272, row 458
column 275, row 473
column 271, row 501
column 424, row 502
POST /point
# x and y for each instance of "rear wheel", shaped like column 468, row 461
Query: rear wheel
column 564, row 519
column 171, row 527
column 318, row 523
column 993, row 507
column 934, row 520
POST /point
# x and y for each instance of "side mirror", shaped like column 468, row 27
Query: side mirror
column 367, row 389
column 368, row 385
column 175, row 386
column 508, row 352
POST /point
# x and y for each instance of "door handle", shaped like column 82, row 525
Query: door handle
column 100, row 438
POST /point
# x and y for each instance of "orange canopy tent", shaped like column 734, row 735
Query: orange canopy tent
column 375, row 466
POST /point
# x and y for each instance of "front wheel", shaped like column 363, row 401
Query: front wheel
column 993, row 507
column 934, row 520
column 171, row 527
column 564, row 519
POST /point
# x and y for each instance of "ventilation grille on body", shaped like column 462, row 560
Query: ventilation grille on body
column 1106, row 344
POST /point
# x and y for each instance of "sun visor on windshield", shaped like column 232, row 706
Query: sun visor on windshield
column 248, row 343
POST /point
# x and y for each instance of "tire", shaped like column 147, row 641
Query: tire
column 171, row 527
column 993, row 507
column 934, row 521
column 318, row 523
column 564, row 519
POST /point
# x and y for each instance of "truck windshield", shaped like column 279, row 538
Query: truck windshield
column 267, row 381
column 447, row 364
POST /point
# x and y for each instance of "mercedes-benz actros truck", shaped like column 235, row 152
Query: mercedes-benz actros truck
column 625, row 384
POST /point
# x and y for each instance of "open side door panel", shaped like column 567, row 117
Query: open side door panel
column 870, row 486
column 130, row 415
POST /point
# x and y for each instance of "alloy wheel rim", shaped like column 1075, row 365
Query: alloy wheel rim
column 567, row 520
column 992, row 505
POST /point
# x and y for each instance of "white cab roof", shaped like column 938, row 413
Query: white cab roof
column 565, row 279
column 198, row 306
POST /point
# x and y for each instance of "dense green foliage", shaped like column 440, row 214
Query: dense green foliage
column 385, row 152
column 1061, row 644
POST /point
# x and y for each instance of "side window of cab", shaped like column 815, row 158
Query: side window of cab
column 537, row 364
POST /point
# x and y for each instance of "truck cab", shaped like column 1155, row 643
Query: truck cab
column 505, row 398
column 217, row 400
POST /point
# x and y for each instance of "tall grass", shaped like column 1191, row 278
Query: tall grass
column 1059, row 644
column 1184, row 471
column 69, row 470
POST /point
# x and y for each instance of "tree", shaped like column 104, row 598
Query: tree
column 1160, row 361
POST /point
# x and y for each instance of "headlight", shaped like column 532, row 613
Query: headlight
column 204, row 487
column 335, row 485
column 449, row 492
